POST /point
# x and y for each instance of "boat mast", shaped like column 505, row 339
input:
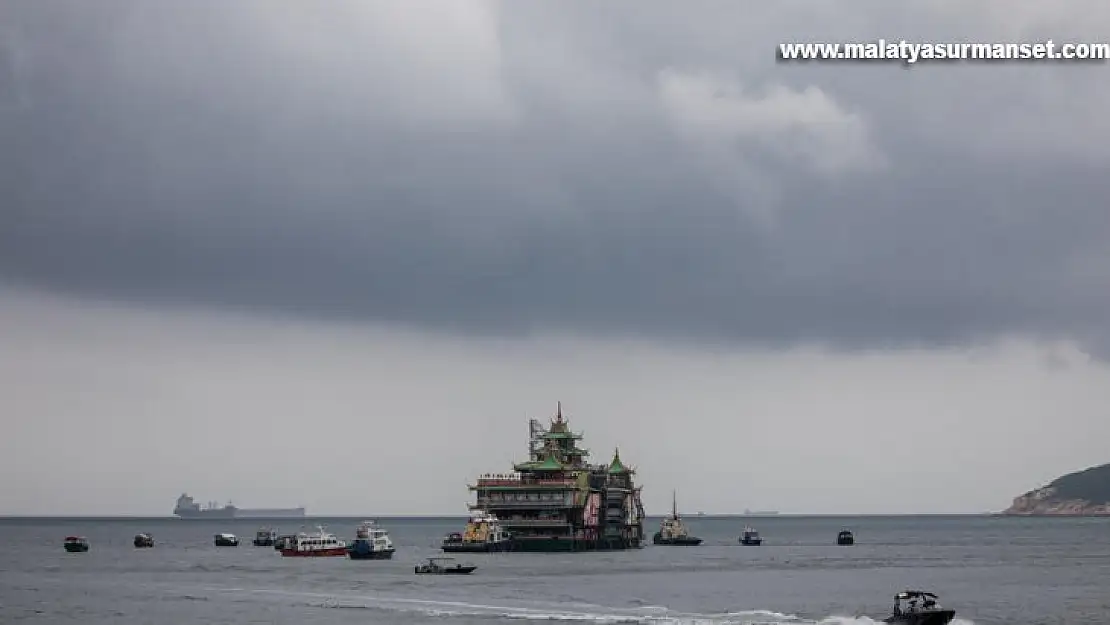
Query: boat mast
column 674, row 504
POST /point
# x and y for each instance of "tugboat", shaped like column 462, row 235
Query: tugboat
column 443, row 566
column 918, row 607
column 320, row 544
column 371, row 543
column 672, row 531
column 559, row 501
column 750, row 537
column 226, row 540
column 144, row 540
column 76, row 544
column 845, row 537
column 264, row 537
column 483, row 534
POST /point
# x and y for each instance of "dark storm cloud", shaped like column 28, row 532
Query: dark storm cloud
column 647, row 170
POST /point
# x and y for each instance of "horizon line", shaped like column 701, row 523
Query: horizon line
column 457, row 515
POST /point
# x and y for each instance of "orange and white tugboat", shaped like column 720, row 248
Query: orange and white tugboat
column 483, row 534
column 319, row 544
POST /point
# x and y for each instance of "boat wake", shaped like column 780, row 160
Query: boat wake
column 585, row 613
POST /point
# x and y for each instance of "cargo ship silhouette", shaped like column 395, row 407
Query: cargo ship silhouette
column 186, row 508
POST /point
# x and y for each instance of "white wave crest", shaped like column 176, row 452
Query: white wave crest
column 645, row 615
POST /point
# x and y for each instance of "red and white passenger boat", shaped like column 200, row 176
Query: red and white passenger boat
column 319, row 544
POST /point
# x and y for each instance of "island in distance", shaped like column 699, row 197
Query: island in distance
column 1083, row 493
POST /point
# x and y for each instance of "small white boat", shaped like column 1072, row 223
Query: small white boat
column 226, row 540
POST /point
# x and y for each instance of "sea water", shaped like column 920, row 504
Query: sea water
column 990, row 570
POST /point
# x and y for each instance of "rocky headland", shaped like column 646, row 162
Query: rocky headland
column 1083, row 493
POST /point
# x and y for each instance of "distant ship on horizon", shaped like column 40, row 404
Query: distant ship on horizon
column 187, row 508
column 760, row 512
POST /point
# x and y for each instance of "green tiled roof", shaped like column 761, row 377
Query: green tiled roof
column 616, row 466
column 549, row 464
column 562, row 435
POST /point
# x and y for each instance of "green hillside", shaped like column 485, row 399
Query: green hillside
column 1092, row 485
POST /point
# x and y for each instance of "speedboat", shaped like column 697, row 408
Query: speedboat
column 76, row 544
column 672, row 531
column 226, row 540
column 144, row 540
column 918, row 607
column 444, row 566
column 845, row 537
column 751, row 537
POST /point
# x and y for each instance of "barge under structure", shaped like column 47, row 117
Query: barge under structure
column 557, row 501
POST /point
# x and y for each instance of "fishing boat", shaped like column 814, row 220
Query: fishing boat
column 144, row 540
column 672, row 531
column 444, row 566
column 845, row 537
column 264, row 537
column 319, row 544
column 483, row 534
column 226, row 540
column 371, row 543
column 918, row 607
column 750, row 537
column 76, row 544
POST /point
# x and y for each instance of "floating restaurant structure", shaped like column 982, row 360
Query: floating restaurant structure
column 557, row 501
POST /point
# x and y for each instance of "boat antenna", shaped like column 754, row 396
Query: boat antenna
column 674, row 504
column 559, row 412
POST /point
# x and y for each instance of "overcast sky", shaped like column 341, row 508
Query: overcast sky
column 400, row 229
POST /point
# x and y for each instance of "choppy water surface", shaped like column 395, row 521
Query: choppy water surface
column 991, row 570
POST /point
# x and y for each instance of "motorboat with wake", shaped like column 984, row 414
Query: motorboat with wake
column 672, row 531
column 918, row 607
column 444, row 566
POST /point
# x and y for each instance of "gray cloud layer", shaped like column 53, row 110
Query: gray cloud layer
column 637, row 167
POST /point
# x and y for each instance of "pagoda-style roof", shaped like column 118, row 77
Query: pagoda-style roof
column 550, row 463
column 556, row 435
column 616, row 466
column 560, row 427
